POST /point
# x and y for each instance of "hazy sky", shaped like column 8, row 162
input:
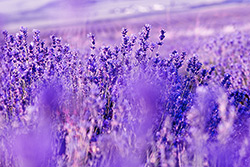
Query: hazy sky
column 38, row 13
column 18, row 6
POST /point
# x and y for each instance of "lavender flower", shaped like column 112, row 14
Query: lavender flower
column 122, row 105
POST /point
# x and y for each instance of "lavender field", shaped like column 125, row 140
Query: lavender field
column 162, row 85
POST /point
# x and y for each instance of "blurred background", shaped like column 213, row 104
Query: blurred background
column 74, row 19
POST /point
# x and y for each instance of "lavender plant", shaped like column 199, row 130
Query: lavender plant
column 124, row 105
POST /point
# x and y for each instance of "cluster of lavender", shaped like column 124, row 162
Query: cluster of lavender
column 127, row 105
